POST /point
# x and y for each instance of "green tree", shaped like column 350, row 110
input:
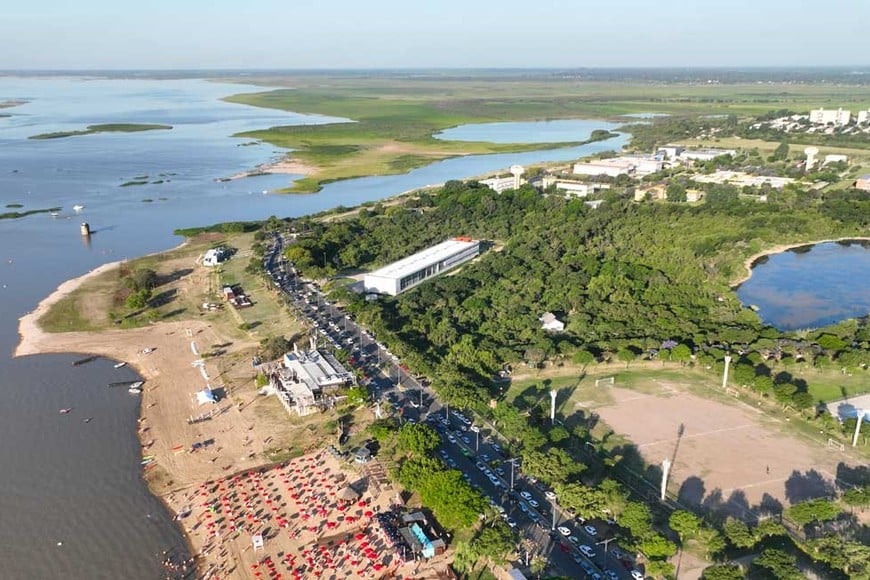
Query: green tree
column 558, row 434
column 780, row 564
column 660, row 569
column 418, row 439
column 676, row 192
column 274, row 347
column 738, row 533
column 138, row 299
column 686, row 524
column 583, row 357
column 814, row 510
column 553, row 467
column 681, row 353
column 625, row 355
column 780, row 153
column 857, row 496
column 141, row 279
column 357, row 395
column 588, row 502
column 636, row 516
column 722, row 572
column 655, row 545
column 382, row 429
column 495, row 542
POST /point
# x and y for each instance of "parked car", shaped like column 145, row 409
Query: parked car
column 637, row 574
column 525, row 495
column 550, row 495
column 611, row 574
column 587, row 551
column 564, row 531
column 590, row 529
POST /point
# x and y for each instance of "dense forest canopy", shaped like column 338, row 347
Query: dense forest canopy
column 627, row 278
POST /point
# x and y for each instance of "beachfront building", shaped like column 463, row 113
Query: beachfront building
column 397, row 277
column 215, row 256
column 306, row 377
column 838, row 118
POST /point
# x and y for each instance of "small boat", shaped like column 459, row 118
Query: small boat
column 54, row 213
column 85, row 360
column 87, row 420
column 78, row 207
column 65, row 411
column 120, row 364
column 134, row 390
column 146, row 461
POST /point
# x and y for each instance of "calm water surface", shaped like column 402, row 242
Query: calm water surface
column 811, row 286
column 561, row 131
column 78, row 483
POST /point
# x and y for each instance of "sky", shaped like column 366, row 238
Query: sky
column 317, row 34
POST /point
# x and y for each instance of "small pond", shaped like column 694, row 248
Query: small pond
column 810, row 286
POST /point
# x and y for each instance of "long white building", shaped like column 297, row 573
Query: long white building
column 408, row 272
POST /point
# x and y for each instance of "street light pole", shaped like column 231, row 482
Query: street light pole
column 477, row 441
column 553, row 506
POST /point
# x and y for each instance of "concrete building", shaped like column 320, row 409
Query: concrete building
column 838, row 118
column 863, row 117
column 499, row 184
column 836, row 159
column 608, row 167
column 741, row 179
column 550, row 323
column 863, row 183
column 305, row 377
column 408, row 272
column 572, row 188
column 705, row 154
column 215, row 256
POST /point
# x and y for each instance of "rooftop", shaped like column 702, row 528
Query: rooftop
column 424, row 258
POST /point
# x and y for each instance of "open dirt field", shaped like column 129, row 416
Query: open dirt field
column 728, row 457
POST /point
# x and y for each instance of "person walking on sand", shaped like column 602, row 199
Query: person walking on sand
column 768, row 470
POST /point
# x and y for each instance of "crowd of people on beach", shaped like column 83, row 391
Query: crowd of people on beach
column 295, row 520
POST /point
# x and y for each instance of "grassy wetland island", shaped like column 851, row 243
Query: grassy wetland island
column 396, row 116
column 104, row 128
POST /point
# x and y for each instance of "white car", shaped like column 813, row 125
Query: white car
column 637, row 575
column 564, row 531
column 550, row 495
column 525, row 495
column 534, row 504
column 587, row 551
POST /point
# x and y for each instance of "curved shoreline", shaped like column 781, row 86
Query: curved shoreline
column 750, row 262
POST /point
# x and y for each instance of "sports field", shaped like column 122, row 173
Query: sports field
column 726, row 455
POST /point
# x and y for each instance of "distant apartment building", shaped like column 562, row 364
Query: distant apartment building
column 406, row 273
column 837, row 118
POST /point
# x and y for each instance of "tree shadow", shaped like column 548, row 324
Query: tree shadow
column 173, row 276
column 810, row 485
column 692, row 491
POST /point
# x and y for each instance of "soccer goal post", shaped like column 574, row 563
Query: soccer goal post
column 732, row 392
column 605, row 382
column 834, row 444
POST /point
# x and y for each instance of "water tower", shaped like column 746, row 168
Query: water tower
column 811, row 153
column 517, row 171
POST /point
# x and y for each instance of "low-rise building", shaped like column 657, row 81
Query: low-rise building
column 836, row 159
column 863, row 183
column 608, row 167
column 499, row 184
column 550, row 323
column 572, row 188
column 406, row 273
column 705, row 154
column 306, row 377
column 215, row 256
column 741, row 179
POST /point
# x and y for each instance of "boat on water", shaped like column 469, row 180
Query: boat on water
column 120, row 364
column 85, row 360
column 128, row 384
column 65, row 411
column 146, row 461
column 134, row 390
column 78, row 207
column 87, row 420
column 54, row 213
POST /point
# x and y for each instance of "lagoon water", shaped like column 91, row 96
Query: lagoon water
column 74, row 483
column 811, row 286
column 557, row 131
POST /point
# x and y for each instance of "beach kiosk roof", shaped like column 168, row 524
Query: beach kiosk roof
column 206, row 396
column 347, row 494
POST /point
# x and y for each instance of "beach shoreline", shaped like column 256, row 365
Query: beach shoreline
column 750, row 262
column 284, row 166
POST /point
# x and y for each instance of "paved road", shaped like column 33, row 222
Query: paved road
column 472, row 449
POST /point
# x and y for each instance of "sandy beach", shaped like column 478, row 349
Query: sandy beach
column 287, row 165
column 779, row 248
column 190, row 447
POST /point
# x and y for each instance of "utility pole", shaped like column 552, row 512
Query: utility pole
column 553, row 407
column 860, row 417
column 553, row 506
column 512, row 462
column 725, row 374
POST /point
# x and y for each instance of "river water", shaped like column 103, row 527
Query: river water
column 72, row 503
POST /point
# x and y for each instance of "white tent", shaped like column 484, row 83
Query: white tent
column 206, row 396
